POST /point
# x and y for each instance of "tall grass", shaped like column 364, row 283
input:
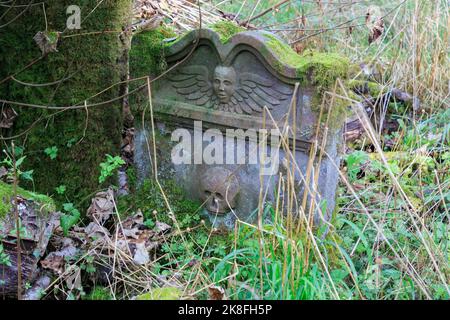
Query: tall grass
column 389, row 235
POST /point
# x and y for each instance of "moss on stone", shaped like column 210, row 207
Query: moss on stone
column 148, row 198
column 226, row 30
column 46, row 204
column 320, row 68
column 373, row 88
column 92, row 62
column 147, row 58
column 98, row 293
column 147, row 52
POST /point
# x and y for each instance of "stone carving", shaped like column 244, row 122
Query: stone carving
column 219, row 188
column 244, row 93
column 226, row 87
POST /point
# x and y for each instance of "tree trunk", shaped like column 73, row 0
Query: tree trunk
column 87, row 62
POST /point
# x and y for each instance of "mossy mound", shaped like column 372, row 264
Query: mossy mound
column 148, row 198
column 319, row 68
column 46, row 204
column 226, row 30
column 147, row 52
column 166, row 293
column 88, row 61
column 98, row 293
column 361, row 86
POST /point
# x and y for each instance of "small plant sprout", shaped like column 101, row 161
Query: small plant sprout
column 4, row 257
column 52, row 152
column 60, row 189
column 9, row 164
column 70, row 219
column 108, row 167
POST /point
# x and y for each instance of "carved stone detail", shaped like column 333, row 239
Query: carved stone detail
column 227, row 90
column 219, row 188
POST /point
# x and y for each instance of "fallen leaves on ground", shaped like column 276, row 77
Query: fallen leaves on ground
column 216, row 293
column 102, row 207
column 135, row 237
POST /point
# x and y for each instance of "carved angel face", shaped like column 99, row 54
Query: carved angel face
column 248, row 93
column 224, row 83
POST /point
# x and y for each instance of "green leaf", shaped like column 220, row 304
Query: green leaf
column 149, row 223
column 52, row 152
column 69, row 220
column 18, row 150
column 108, row 167
column 60, row 189
column 354, row 161
column 339, row 274
column 27, row 175
column 20, row 161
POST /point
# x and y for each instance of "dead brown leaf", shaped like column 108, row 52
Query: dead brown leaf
column 102, row 207
column 54, row 263
column 216, row 293
column 7, row 117
column 375, row 23
column 161, row 227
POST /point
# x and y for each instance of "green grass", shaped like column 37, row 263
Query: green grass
column 389, row 237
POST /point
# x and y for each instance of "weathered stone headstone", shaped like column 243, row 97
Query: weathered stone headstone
column 220, row 116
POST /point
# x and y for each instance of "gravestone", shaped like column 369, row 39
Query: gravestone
column 232, row 119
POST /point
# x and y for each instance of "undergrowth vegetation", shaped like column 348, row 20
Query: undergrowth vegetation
column 389, row 235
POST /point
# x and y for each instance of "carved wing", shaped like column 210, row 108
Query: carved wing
column 193, row 83
column 255, row 92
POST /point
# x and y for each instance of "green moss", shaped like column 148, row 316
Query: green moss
column 320, row 68
column 91, row 62
column 147, row 52
column 147, row 58
column 373, row 88
column 148, row 198
column 98, row 293
column 226, row 30
column 166, row 293
column 7, row 193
